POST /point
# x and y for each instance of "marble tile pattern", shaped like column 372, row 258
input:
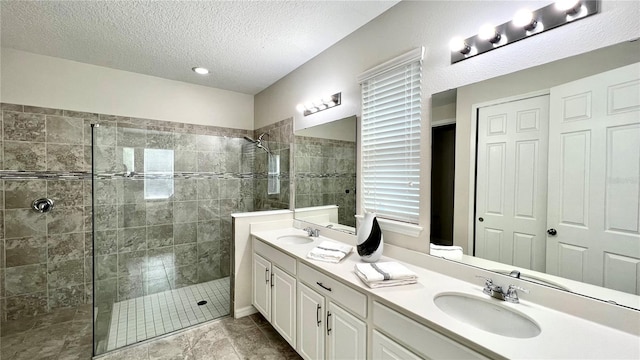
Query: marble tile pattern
column 144, row 243
column 65, row 334
column 279, row 139
column 325, row 171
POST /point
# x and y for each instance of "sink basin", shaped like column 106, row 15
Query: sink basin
column 294, row 239
column 487, row 314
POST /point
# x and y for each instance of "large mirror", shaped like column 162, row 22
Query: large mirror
column 554, row 166
column 325, row 174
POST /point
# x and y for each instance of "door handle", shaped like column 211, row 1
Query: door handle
column 318, row 315
column 552, row 232
column 271, row 279
column 266, row 275
column 328, row 323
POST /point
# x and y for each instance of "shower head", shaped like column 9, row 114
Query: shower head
column 259, row 143
column 263, row 147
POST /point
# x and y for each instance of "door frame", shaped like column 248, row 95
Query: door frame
column 473, row 156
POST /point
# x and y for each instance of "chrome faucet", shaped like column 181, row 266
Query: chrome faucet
column 496, row 291
column 312, row 232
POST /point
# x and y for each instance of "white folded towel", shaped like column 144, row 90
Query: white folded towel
column 447, row 252
column 330, row 251
column 384, row 274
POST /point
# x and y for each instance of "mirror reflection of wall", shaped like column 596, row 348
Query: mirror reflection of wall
column 325, row 173
column 586, row 234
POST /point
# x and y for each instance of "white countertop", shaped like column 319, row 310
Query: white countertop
column 563, row 336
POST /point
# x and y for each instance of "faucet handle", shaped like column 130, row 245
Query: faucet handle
column 516, row 287
column 512, row 295
column 488, row 285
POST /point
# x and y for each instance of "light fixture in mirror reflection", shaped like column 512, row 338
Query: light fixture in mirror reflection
column 325, row 174
column 525, row 23
column 562, row 219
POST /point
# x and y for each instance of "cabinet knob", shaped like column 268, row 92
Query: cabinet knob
column 552, row 232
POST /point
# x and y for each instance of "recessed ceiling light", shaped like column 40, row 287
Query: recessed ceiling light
column 200, row 70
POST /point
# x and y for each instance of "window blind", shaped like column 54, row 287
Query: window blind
column 391, row 142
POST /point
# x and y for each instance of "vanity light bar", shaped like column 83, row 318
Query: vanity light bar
column 543, row 19
column 312, row 107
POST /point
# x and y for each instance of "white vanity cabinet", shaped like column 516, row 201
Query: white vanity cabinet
column 326, row 329
column 387, row 349
column 274, row 289
column 417, row 338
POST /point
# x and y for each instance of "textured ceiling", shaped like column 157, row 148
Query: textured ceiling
column 248, row 45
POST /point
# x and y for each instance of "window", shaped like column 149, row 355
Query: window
column 390, row 145
column 158, row 174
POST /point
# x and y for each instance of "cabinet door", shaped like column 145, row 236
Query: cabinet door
column 261, row 289
column 283, row 299
column 347, row 334
column 311, row 323
column 387, row 349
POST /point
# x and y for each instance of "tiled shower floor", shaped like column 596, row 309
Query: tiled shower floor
column 145, row 317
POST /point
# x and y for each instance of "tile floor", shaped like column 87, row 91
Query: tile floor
column 153, row 315
column 66, row 335
column 62, row 334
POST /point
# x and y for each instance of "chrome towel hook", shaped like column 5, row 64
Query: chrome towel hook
column 42, row 205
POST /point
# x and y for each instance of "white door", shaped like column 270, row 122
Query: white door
column 347, row 335
column 594, row 180
column 261, row 288
column 283, row 317
column 311, row 323
column 387, row 349
column 511, row 182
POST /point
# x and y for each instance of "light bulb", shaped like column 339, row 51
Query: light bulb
column 200, row 70
column 524, row 19
column 488, row 32
column 300, row 107
column 308, row 105
column 457, row 44
column 327, row 98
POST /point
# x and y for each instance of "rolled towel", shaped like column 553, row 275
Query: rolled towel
column 387, row 272
column 330, row 251
column 447, row 252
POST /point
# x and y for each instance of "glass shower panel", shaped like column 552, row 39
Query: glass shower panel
column 162, row 202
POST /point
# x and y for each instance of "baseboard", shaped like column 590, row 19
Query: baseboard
column 245, row 311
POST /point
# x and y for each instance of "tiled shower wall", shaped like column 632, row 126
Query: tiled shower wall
column 45, row 259
column 326, row 175
column 279, row 139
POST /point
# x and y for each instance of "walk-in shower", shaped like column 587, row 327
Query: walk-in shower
column 162, row 204
column 137, row 241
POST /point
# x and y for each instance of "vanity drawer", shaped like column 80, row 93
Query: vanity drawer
column 418, row 337
column 349, row 298
column 277, row 257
